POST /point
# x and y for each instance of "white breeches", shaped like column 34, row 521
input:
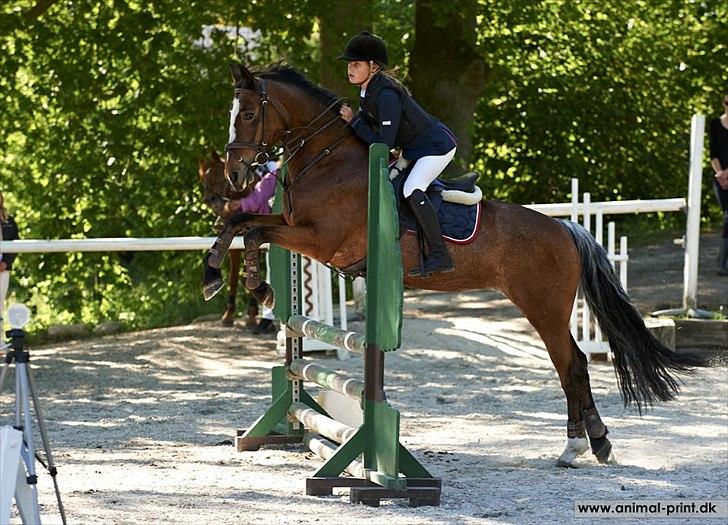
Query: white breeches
column 425, row 171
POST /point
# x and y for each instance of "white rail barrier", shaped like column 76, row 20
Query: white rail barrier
column 320, row 303
column 112, row 244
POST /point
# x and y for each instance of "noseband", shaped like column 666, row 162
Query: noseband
column 291, row 146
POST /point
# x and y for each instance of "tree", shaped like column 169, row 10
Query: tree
column 448, row 74
column 339, row 20
column 594, row 90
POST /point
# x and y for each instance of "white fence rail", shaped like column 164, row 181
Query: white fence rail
column 584, row 329
column 112, row 244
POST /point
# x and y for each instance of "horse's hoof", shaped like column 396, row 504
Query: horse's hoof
column 211, row 282
column 264, row 294
column 210, row 289
column 227, row 321
column 565, row 464
column 602, row 449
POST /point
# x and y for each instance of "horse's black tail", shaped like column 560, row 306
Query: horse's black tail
column 646, row 369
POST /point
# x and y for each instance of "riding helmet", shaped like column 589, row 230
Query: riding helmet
column 366, row 46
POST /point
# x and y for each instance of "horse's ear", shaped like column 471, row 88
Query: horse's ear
column 241, row 76
column 214, row 155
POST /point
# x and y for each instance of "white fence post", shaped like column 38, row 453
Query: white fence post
column 692, row 235
column 623, row 258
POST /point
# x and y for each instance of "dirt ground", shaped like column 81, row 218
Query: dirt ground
column 142, row 423
column 655, row 276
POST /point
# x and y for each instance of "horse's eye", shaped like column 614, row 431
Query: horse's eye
column 248, row 115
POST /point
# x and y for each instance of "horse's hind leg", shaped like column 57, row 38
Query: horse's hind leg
column 571, row 367
column 548, row 309
column 583, row 418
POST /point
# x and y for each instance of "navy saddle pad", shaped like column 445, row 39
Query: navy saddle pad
column 458, row 221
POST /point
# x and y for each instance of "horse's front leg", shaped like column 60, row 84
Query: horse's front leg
column 299, row 239
column 212, row 281
column 238, row 224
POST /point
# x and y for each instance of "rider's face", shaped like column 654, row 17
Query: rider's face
column 358, row 71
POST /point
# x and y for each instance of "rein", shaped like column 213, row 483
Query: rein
column 291, row 146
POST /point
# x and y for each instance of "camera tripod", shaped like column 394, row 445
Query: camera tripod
column 26, row 493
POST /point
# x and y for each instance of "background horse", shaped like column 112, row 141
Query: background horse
column 534, row 260
column 216, row 192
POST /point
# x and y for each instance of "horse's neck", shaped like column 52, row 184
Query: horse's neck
column 336, row 148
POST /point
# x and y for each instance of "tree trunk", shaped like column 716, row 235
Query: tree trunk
column 447, row 74
column 339, row 20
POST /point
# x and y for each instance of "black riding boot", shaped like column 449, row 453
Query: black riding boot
column 437, row 259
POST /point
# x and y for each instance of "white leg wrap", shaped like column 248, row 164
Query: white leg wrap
column 574, row 447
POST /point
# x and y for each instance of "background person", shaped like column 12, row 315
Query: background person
column 8, row 232
column 259, row 200
column 718, row 133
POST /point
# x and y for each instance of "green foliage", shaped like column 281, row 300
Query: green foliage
column 106, row 107
column 602, row 91
column 109, row 106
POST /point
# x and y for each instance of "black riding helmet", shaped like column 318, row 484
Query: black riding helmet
column 366, row 46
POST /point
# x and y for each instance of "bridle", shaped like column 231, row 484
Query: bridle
column 263, row 153
column 265, row 149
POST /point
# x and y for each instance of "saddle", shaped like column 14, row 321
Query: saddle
column 456, row 201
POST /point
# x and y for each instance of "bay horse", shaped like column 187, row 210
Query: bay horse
column 216, row 192
column 536, row 261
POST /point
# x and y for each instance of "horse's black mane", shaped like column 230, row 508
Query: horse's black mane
column 290, row 75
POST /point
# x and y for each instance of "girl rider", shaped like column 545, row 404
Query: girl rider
column 388, row 113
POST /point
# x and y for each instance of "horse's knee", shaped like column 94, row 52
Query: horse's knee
column 253, row 240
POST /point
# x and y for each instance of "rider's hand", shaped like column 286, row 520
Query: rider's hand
column 722, row 178
column 232, row 206
column 346, row 113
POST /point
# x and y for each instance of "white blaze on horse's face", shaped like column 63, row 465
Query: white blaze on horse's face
column 233, row 179
column 233, row 117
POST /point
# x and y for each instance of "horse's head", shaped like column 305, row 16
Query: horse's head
column 216, row 190
column 215, row 187
column 256, row 123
